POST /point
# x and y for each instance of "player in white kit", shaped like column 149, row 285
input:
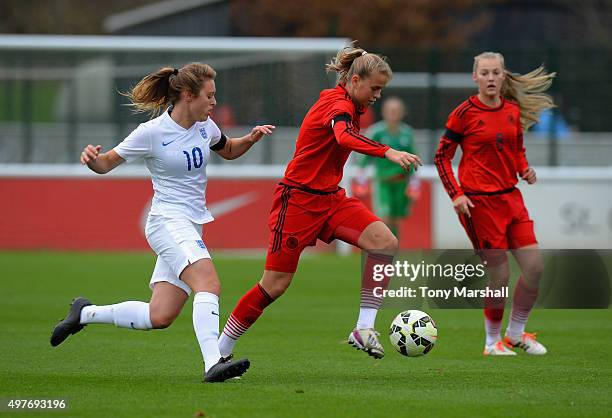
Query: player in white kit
column 176, row 148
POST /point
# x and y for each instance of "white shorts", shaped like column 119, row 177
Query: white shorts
column 177, row 243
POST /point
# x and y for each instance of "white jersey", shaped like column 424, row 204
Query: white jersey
column 176, row 158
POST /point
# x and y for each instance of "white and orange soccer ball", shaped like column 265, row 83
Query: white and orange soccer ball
column 413, row 333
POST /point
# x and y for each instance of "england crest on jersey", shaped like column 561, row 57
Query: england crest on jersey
column 203, row 133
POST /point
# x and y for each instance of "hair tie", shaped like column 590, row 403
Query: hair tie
column 363, row 53
column 175, row 71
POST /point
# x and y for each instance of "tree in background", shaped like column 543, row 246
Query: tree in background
column 593, row 20
column 75, row 17
column 381, row 22
column 406, row 23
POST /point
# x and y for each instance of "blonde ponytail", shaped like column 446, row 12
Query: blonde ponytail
column 352, row 60
column 528, row 91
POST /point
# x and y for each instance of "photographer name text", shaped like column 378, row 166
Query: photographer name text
column 426, row 292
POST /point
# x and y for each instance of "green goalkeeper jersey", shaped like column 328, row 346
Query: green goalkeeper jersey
column 402, row 140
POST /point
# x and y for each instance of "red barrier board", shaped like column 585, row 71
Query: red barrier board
column 109, row 214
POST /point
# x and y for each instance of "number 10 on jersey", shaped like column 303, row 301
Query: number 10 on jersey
column 198, row 158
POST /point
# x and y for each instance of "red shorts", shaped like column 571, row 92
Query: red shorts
column 499, row 221
column 299, row 217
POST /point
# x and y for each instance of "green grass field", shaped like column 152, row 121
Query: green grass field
column 301, row 365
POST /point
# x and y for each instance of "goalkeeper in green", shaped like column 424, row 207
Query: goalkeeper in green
column 392, row 187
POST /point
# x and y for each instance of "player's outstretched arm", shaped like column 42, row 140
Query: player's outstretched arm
column 100, row 163
column 403, row 159
column 235, row 147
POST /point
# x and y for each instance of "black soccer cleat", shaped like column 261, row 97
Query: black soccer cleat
column 71, row 324
column 226, row 369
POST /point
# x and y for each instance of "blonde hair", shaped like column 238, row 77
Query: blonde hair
column 155, row 92
column 528, row 90
column 352, row 60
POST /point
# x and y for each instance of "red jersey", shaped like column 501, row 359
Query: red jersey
column 491, row 141
column 329, row 132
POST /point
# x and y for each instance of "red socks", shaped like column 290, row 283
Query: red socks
column 249, row 309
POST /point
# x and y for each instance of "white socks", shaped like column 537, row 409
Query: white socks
column 492, row 330
column 206, row 326
column 135, row 315
column 226, row 344
column 367, row 317
column 515, row 329
column 130, row 314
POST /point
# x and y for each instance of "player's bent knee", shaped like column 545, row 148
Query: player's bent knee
column 211, row 286
column 208, row 286
column 163, row 316
column 378, row 236
column 536, row 269
column 201, row 277
column 386, row 241
column 533, row 272
column 392, row 243
column 275, row 284
column 161, row 321
column 278, row 288
column 499, row 278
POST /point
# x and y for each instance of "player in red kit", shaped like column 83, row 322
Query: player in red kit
column 489, row 129
column 309, row 204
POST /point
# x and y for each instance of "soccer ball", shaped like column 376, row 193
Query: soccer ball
column 413, row 333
